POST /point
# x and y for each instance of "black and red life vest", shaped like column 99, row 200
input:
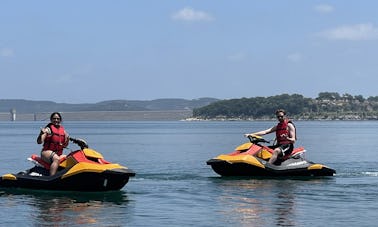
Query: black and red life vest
column 282, row 132
column 56, row 141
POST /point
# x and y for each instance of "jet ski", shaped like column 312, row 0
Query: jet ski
column 251, row 159
column 81, row 170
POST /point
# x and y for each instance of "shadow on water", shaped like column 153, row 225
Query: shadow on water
column 261, row 201
column 116, row 197
column 68, row 207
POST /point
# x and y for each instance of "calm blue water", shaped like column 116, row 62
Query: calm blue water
column 175, row 187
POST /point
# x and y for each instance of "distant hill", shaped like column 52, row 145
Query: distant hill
column 23, row 106
column 327, row 106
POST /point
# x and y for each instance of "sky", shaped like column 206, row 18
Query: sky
column 88, row 51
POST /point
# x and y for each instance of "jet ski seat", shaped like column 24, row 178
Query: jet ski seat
column 296, row 151
column 39, row 161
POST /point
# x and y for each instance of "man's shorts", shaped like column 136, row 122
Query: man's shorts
column 286, row 149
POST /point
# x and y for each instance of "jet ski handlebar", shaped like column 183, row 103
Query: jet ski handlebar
column 80, row 142
column 257, row 139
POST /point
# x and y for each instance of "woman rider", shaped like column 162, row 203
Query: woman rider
column 54, row 138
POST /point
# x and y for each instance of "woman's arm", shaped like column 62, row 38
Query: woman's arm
column 66, row 139
column 42, row 135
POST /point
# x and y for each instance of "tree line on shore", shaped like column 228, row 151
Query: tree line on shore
column 327, row 106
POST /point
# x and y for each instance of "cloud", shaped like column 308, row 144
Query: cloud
column 78, row 74
column 190, row 15
column 295, row 57
column 237, row 57
column 352, row 32
column 6, row 52
column 324, row 8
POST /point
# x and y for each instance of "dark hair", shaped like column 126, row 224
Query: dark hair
column 281, row 111
column 57, row 113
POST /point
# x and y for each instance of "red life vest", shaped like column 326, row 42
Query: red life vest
column 56, row 141
column 282, row 132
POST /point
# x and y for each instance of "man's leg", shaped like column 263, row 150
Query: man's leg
column 275, row 154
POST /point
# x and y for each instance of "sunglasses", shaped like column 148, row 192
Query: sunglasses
column 56, row 118
column 280, row 116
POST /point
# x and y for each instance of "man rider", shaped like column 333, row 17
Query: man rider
column 285, row 136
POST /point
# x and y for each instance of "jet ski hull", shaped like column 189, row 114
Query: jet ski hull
column 81, row 170
column 108, row 180
column 287, row 168
column 251, row 159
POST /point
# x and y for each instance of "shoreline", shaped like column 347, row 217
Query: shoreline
column 175, row 115
column 171, row 115
column 294, row 118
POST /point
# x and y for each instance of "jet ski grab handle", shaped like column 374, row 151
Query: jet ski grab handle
column 257, row 139
column 80, row 142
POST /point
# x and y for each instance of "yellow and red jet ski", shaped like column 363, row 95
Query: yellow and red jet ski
column 81, row 170
column 251, row 159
